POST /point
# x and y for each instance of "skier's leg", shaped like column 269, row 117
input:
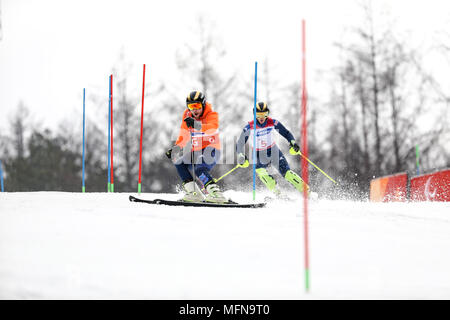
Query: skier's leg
column 295, row 180
column 192, row 191
column 206, row 162
column 279, row 160
column 292, row 177
column 183, row 172
column 268, row 180
column 264, row 158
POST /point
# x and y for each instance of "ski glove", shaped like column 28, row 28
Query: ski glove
column 169, row 153
column 242, row 160
column 173, row 152
column 191, row 123
column 294, row 147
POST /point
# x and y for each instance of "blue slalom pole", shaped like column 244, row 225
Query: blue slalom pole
column 254, row 132
column 83, row 187
column 1, row 176
column 109, row 136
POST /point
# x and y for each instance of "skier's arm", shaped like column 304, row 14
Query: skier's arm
column 283, row 131
column 240, row 144
column 184, row 135
column 295, row 148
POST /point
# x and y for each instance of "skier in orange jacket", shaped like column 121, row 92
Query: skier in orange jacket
column 198, row 141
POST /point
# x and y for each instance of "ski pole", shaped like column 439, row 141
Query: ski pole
column 295, row 153
column 192, row 157
column 216, row 180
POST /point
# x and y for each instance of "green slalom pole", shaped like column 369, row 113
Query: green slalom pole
column 83, row 187
column 112, row 137
column 109, row 136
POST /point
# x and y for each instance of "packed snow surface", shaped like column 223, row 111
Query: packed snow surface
column 57, row 245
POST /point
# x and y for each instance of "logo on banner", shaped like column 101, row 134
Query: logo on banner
column 428, row 194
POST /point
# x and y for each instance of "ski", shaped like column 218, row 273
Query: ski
column 229, row 204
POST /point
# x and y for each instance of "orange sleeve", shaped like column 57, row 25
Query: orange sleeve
column 183, row 135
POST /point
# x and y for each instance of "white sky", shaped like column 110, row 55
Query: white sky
column 51, row 50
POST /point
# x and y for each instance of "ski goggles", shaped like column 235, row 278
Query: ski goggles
column 262, row 114
column 195, row 106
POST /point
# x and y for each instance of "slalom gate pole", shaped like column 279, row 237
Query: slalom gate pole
column 109, row 136
column 142, row 129
column 112, row 138
column 254, row 132
column 305, row 176
column 83, row 187
column 417, row 159
column 1, row 176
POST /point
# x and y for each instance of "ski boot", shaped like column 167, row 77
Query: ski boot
column 269, row 181
column 192, row 192
column 299, row 184
column 214, row 194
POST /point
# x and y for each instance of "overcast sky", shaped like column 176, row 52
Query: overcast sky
column 51, row 50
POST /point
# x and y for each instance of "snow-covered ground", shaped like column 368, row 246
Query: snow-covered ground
column 56, row 245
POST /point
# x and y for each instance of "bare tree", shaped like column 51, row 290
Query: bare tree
column 19, row 126
column 370, row 56
column 203, row 62
column 126, row 121
column 384, row 95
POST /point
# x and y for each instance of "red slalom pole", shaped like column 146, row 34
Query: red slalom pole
column 142, row 129
column 305, row 176
column 112, row 149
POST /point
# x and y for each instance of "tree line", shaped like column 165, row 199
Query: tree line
column 381, row 104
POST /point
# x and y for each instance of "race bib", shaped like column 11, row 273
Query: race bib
column 264, row 138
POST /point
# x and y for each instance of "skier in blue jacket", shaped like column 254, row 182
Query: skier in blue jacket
column 267, row 152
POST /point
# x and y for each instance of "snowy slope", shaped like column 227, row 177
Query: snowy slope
column 56, row 245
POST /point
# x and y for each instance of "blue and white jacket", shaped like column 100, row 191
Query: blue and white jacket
column 264, row 135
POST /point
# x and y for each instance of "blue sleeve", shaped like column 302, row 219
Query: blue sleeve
column 283, row 131
column 240, row 144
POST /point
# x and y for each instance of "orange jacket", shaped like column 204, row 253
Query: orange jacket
column 207, row 136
